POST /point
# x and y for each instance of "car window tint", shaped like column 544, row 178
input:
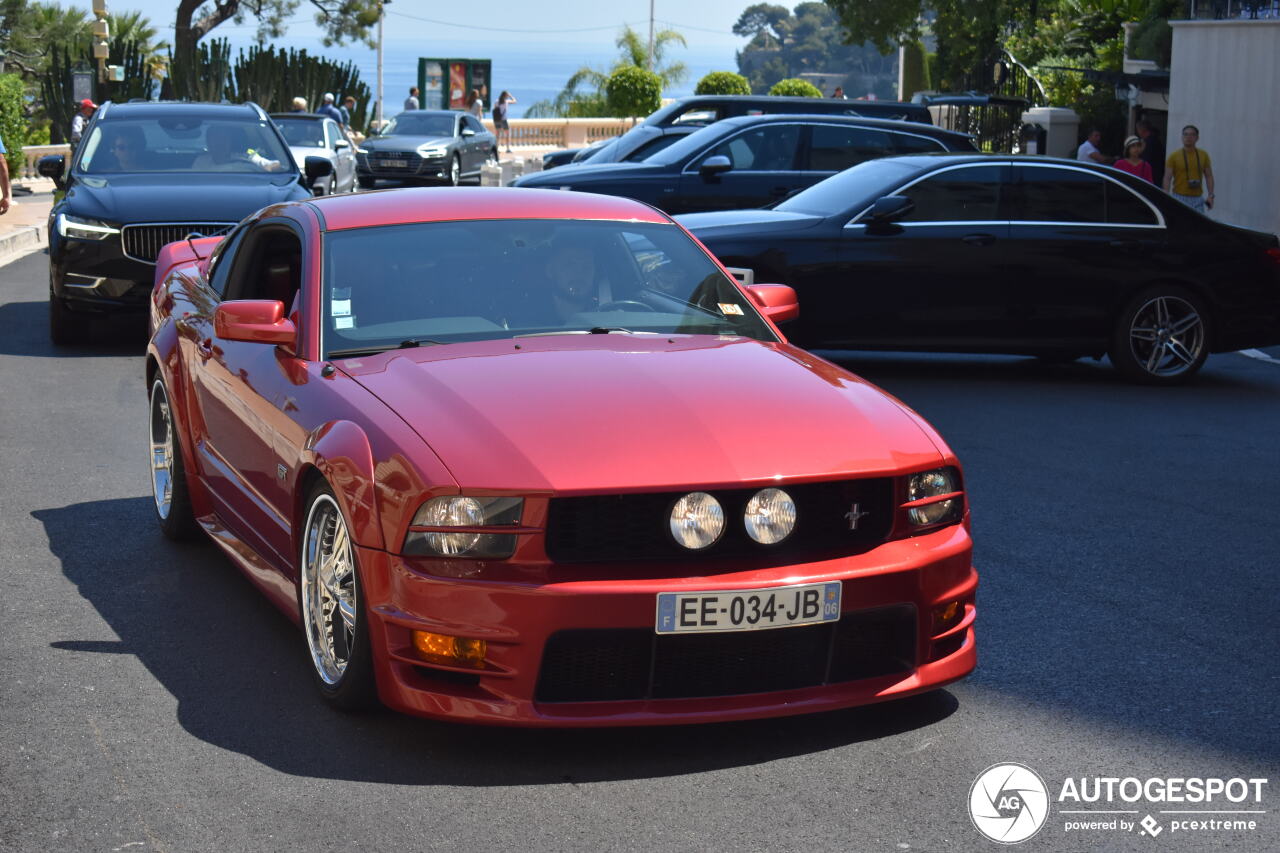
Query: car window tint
column 304, row 133
column 1058, row 195
column 419, row 124
column 1124, row 207
column 764, row 149
column 971, row 194
column 473, row 123
column 834, row 148
column 268, row 265
column 185, row 142
column 908, row 143
column 220, row 262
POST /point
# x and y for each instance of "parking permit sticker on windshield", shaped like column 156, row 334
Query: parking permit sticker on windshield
column 730, row 308
column 344, row 322
column 340, row 303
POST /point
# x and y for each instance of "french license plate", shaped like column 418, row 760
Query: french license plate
column 747, row 610
column 394, row 164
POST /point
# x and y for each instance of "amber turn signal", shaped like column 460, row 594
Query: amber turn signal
column 450, row 651
column 946, row 616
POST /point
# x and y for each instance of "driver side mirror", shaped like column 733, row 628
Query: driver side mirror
column 255, row 321
column 717, row 165
column 778, row 302
column 316, row 167
column 339, row 144
column 890, row 208
column 52, row 166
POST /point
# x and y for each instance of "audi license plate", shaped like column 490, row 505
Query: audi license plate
column 747, row 610
column 394, row 164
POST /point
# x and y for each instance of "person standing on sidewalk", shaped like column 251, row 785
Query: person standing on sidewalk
column 1188, row 174
column 411, row 102
column 501, row 126
column 81, row 120
column 5, row 192
column 328, row 109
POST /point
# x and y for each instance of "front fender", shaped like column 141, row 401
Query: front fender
column 341, row 452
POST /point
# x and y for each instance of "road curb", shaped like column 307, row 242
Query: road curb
column 20, row 241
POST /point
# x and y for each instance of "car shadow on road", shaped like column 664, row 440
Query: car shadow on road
column 237, row 668
column 24, row 331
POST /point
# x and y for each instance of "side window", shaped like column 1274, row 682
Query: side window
column 330, row 134
column 769, row 148
column 971, row 194
column 221, row 262
column 473, row 123
column 704, row 116
column 653, row 146
column 268, row 266
column 835, row 148
column 1124, row 207
column 908, row 143
column 1058, row 195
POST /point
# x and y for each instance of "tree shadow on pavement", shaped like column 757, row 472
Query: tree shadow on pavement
column 238, row 669
column 24, row 331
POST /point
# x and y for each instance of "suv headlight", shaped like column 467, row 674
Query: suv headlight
column 935, row 498
column 454, row 526
column 78, row 228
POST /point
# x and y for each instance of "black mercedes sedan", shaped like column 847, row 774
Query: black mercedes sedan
column 426, row 146
column 1005, row 254
column 750, row 161
column 147, row 174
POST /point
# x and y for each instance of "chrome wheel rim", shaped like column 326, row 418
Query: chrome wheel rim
column 1167, row 336
column 328, row 590
column 161, row 450
column 455, row 172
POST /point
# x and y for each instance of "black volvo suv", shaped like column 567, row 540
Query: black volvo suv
column 147, row 174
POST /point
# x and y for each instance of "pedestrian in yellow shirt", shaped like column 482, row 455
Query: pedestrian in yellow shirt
column 1188, row 175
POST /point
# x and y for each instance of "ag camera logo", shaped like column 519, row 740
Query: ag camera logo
column 1008, row 803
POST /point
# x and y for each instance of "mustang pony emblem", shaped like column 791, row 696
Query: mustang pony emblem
column 855, row 515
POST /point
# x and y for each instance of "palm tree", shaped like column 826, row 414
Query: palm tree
column 577, row 100
column 635, row 51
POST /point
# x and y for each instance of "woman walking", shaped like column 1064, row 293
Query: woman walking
column 1132, row 161
column 501, row 127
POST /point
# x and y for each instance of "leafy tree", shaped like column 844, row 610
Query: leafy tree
column 810, row 39
column 915, row 70
column 340, row 20
column 13, row 122
column 584, row 96
column 723, row 83
column 795, row 87
column 760, row 22
column 633, row 91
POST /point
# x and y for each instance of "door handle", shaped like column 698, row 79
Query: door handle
column 979, row 239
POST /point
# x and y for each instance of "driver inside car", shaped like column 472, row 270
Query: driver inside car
column 571, row 270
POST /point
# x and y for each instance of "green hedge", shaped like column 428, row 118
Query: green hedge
column 13, row 121
column 795, row 87
column 633, row 91
column 723, row 83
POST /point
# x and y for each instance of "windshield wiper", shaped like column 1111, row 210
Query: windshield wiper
column 407, row 344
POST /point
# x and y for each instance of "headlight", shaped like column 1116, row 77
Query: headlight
column 926, row 491
column 84, row 229
column 770, row 516
column 429, row 533
column 697, row 520
column 432, row 151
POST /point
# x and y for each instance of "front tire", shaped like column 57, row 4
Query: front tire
column 455, row 171
column 1161, row 337
column 331, row 602
column 172, row 500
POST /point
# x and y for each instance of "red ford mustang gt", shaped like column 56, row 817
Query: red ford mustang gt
column 535, row 458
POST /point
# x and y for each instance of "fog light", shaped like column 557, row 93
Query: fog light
column 450, row 651
column 947, row 616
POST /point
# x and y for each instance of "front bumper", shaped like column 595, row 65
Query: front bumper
column 416, row 168
column 518, row 620
column 95, row 275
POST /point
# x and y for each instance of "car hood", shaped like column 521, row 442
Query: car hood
column 302, row 152
column 585, row 173
column 184, row 197
column 575, row 413
column 732, row 222
column 404, row 143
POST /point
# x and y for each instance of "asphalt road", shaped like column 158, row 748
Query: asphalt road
column 1127, row 539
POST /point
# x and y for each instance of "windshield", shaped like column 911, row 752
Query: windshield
column 421, row 124
column 686, row 146
column 447, row 282
column 183, row 143
column 304, row 133
column 854, row 187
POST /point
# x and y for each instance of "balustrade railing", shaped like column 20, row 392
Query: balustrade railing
column 33, row 153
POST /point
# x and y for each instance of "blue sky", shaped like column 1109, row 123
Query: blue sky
column 704, row 23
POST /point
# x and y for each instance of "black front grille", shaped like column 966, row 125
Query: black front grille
column 631, row 664
column 637, row 527
column 144, row 242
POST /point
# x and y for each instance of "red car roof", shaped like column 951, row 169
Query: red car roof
column 445, row 204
